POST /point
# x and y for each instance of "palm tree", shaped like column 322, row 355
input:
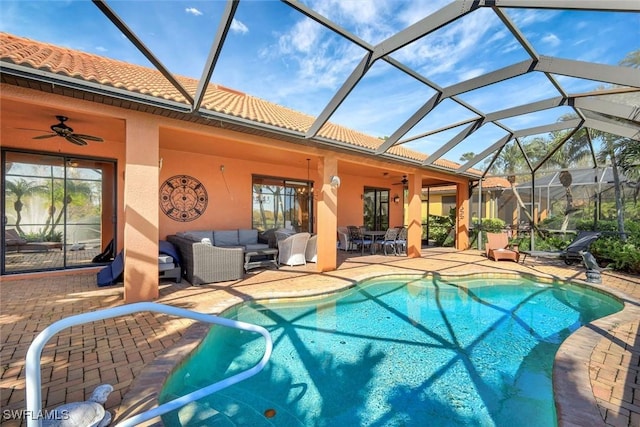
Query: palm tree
column 632, row 59
column 629, row 161
column 22, row 188
column 574, row 152
column 510, row 162
column 609, row 151
column 623, row 153
column 77, row 192
column 467, row 156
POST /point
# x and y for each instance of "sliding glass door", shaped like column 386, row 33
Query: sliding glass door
column 376, row 208
column 58, row 211
column 282, row 203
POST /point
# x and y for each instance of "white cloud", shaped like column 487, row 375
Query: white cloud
column 302, row 38
column 469, row 74
column 417, row 10
column 193, row 11
column 101, row 49
column 360, row 12
column 442, row 51
column 528, row 17
column 551, row 40
column 238, row 27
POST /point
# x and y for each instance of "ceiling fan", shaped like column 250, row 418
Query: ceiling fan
column 403, row 182
column 61, row 129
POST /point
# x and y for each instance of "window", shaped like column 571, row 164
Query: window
column 282, row 203
column 376, row 208
column 58, row 210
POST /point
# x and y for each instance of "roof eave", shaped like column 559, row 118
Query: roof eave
column 183, row 111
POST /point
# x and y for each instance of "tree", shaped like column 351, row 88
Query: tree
column 510, row 162
column 632, row 59
column 608, row 151
column 22, row 188
column 467, row 156
column 623, row 153
column 629, row 160
column 573, row 152
column 77, row 192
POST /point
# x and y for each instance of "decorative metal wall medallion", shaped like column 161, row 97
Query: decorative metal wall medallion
column 183, row 198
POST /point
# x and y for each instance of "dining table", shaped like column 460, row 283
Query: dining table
column 373, row 234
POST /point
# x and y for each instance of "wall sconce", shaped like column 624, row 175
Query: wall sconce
column 335, row 181
column 396, row 199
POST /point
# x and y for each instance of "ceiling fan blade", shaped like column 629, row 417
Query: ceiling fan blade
column 75, row 140
column 51, row 135
column 89, row 137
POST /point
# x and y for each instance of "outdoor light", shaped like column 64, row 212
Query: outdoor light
column 396, row 199
column 335, row 181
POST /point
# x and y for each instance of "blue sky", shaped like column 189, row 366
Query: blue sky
column 275, row 53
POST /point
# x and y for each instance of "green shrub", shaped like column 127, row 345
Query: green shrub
column 551, row 223
column 553, row 242
column 39, row 236
column 611, row 251
column 492, row 225
column 439, row 228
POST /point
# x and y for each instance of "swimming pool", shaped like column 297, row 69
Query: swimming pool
column 393, row 351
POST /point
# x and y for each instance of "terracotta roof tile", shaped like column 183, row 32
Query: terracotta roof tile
column 495, row 181
column 147, row 81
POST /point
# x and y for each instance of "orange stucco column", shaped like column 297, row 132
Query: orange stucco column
column 462, row 217
column 414, row 213
column 327, row 215
column 141, row 176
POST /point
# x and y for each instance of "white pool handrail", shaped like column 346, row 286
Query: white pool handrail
column 34, row 354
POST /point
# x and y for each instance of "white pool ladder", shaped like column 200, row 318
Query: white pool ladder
column 34, row 354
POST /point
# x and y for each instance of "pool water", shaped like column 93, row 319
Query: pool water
column 393, row 352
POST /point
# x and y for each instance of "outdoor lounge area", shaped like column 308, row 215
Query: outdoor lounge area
column 596, row 377
column 223, row 157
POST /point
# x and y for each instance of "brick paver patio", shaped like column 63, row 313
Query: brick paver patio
column 596, row 376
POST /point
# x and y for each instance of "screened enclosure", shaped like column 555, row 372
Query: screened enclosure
column 520, row 89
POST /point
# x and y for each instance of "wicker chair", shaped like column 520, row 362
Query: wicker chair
column 292, row 250
column 311, row 252
column 203, row 263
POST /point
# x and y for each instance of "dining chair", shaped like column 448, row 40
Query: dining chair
column 389, row 240
column 358, row 239
column 401, row 241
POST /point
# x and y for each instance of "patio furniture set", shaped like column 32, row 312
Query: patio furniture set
column 392, row 241
column 499, row 248
column 210, row 256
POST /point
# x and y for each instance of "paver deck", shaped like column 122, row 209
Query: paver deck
column 596, row 375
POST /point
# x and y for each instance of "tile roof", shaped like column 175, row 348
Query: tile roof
column 489, row 183
column 147, row 81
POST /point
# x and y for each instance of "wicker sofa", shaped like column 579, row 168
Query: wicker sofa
column 210, row 256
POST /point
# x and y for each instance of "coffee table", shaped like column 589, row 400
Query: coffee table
column 260, row 258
